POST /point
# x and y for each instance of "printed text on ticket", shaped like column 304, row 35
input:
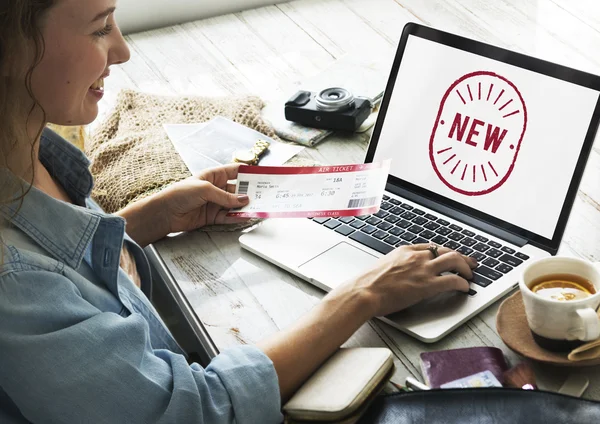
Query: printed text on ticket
column 297, row 192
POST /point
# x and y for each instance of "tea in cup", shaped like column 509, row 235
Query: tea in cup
column 561, row 297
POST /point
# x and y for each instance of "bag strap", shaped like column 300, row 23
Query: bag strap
column 490, row 405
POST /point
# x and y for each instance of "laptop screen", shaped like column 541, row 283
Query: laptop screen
column 497, row 138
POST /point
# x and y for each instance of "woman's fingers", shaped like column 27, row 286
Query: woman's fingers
column 452, row 261
column 215, row 195
column 448, row 282
column 222, row 218
column 221, row 174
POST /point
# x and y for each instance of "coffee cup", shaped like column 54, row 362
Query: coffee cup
column 561, row 297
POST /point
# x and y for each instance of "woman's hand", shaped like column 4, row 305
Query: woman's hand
column 202, row 200
column 410, row 274
column 194, row 202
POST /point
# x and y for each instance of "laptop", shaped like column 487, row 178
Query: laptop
column 488, row 148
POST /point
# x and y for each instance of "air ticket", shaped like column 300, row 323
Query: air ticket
column 322, row 191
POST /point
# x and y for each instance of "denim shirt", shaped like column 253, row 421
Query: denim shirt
column 80, row 343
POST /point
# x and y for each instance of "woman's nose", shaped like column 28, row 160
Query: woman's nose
column 119, row 52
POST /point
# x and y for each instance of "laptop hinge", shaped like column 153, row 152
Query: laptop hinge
column 459, row 216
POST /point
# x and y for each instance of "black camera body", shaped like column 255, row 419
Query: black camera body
column 331, row 109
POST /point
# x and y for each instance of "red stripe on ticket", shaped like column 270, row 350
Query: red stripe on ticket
column 306, row 214
column 290, row 170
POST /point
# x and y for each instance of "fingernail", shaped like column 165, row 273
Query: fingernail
column 243, row 198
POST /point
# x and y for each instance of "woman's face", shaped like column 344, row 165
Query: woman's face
column 82, row 41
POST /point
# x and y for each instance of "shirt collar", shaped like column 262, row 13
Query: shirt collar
column 67, row 164
column 62, row 229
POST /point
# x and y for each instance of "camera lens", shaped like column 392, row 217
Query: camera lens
column 334, row 99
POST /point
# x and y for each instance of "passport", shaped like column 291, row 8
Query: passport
column 444, row 366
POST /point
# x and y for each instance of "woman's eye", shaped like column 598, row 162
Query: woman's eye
column 104, row 31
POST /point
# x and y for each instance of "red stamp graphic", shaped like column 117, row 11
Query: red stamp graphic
column 478, row 133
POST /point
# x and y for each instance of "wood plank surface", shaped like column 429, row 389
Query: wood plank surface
column 241, row 298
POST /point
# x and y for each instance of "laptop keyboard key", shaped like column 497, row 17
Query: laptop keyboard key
column 521, row 256
column 380, row 234
column 472, row 292
column 346, row 219
column 395, row 202
column 480, row 247
column 374, row 220
column 468, row 241
column 491, row 262
column 397, row 210
column 481, row 238
column 511, row 260
column 487, row 272
column 419, row 220
column 408, row 236
column 332, row 223
column 464, row 250
column 504, row 269
column 386, row 206
column 443, row 231
column 420, row 240
column 392, row 218
column 321, row 220
column 494, row 244
column 428, row 234
column 494, row 253
column 369, row 229
column 386, row 197
column 508, row 250
column 452, row 245
column 392, row 240
column 478, row 256
column 407, row 207
column 443, row 222
column 456, row 236
column 369, row 241
column 480, row 280
column 381, row 214
column 363, row 217
column 432, row 226
column 396, row 231
column 385, row 226
column 430, row 217
column 415, row 229
column 468, row 233
column 403, row 224
column 455, row 227
column 357, row 224
column 408, row 215
column 439, row 240
column 344, row 230
column 402, row 243
column 418, row 212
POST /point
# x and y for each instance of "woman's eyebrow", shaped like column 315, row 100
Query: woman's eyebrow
column 104, row 14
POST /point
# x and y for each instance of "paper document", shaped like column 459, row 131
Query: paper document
column 295, row 192
column 213, row 143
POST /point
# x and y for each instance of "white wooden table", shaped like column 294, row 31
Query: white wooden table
column 240, row 298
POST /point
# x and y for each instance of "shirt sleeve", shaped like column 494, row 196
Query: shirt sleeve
column 65, row 361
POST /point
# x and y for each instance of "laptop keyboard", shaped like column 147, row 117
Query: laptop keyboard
column 400, row 224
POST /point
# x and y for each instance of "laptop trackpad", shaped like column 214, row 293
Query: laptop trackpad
column 337, row 265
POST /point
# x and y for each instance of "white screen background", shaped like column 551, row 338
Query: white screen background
column 559, row 115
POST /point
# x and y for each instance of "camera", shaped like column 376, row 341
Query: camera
column 332, row 109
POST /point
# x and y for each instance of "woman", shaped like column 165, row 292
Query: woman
column 80, row 341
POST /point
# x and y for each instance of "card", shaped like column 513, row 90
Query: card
column 481, row 379
column 322, row 191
